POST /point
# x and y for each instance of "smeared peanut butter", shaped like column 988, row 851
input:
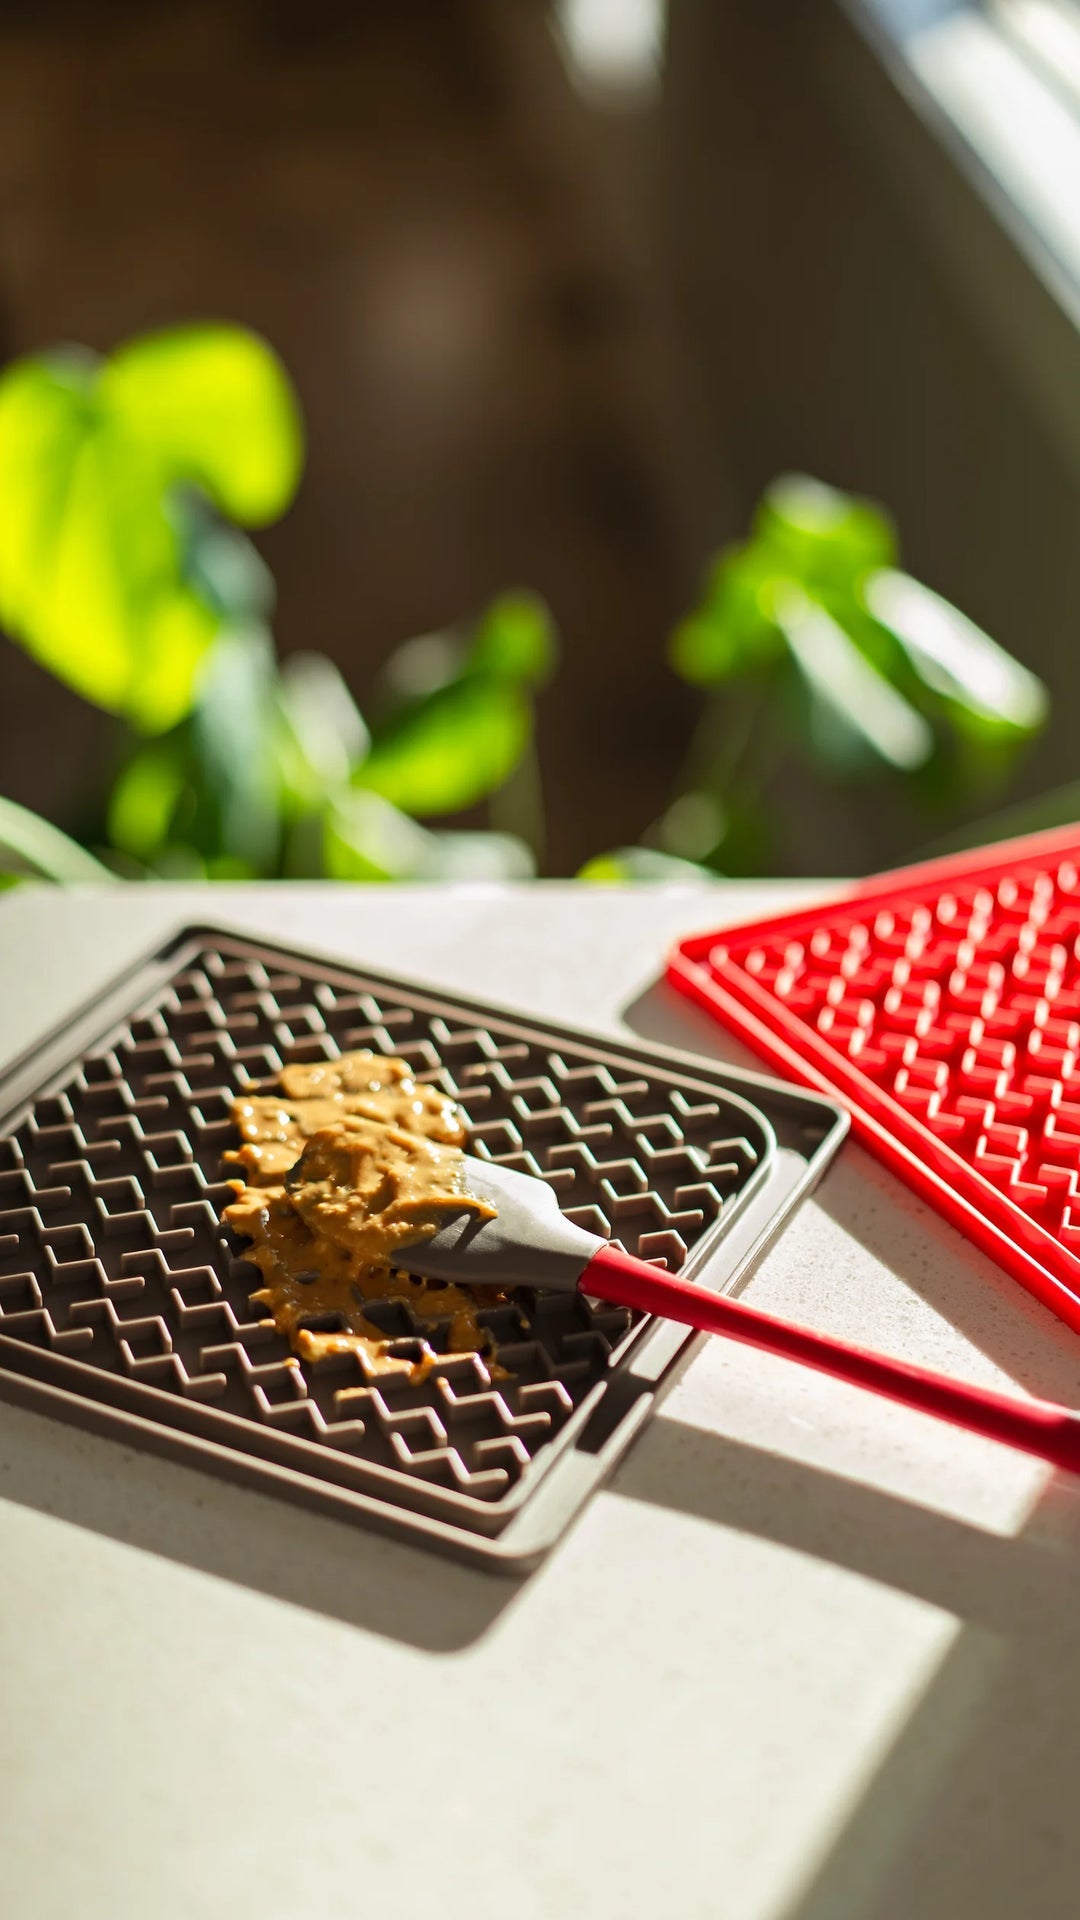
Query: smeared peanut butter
column 350, row 1161
column 352, row 1092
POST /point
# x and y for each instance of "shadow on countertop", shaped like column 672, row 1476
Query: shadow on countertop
column 970, row 1759
column 234, row 1533
column 972, row 1808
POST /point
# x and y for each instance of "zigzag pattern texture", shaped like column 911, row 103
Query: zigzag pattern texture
column 960, row 1001
column 112, row 1252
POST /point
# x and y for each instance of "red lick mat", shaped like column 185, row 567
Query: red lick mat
column 941, row 1004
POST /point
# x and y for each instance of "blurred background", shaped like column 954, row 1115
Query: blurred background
column 560, row 289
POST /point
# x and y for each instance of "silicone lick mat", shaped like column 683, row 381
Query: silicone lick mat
column 124, row 1301
column 942, row 1004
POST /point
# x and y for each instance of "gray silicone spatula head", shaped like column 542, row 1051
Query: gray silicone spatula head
column 529, row 1243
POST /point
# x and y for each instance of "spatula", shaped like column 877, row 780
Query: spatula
column 530, row 1243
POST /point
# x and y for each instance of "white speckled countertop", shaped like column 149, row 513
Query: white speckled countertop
column 809, row 1657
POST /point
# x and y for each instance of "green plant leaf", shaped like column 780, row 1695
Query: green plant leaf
column 417, row 668
column 234, row 731
column 89, row 561
column 445, row 753
column 732, row 835
column 641, row 863
column 806, row 535
column 180, row 861
column 228, row 866
column 693, row 826
column 322, row 735
column 817, row 644
column 367, row 838
column 94, row 541
column 43, row 849
column 223, row 565
column 981, row 684
column 819, row 536
column 515, row 638
column 145, row 798
column 733, row 630
column 214, row 406
column 476, row 856
column 854, row 718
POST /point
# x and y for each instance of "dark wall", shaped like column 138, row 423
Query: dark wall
column 374, row 188
column 840, row 328
column 536, row 341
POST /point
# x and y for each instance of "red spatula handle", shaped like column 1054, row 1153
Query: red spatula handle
column 1034, row 1426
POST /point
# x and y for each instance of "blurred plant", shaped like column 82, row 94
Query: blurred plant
column 127, row 487
column 112, row 474
column 125, row 484
column 29, row 845
column 812, row 646
column 276, row 772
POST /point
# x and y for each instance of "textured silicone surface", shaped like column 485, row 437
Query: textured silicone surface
column 119, row 1284
column 942, row 1004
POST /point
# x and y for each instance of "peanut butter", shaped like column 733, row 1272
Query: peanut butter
column 351, row 1160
